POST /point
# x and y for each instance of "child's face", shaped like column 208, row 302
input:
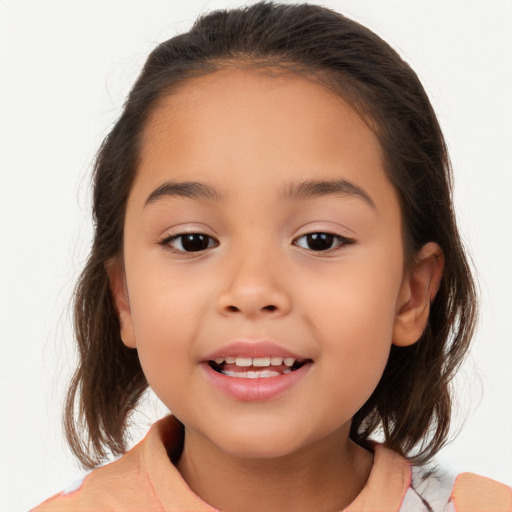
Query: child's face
column 259, row 147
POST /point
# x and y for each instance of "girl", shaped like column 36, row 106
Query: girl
column 276, row 256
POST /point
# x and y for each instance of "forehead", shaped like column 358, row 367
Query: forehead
column 258, row 102
column 246, row 128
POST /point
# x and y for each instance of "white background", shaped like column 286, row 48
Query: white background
column 66, row 67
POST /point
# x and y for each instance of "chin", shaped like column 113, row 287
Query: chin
column 259, row 437
column 260, row 446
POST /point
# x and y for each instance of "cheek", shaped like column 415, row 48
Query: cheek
column 165, row 300
column 354, row 319
column 165, row 324
column 355, row 353
column 357, row 301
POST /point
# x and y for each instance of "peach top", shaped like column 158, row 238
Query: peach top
column 146, row 479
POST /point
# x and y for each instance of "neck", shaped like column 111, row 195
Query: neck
column 325, row 476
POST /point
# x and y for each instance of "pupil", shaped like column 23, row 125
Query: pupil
column 320, row 241
column 194, row 242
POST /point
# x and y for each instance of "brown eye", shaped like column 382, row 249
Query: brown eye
column 321, row 241
column 191, row 242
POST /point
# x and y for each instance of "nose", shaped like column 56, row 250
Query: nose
column 254, row 287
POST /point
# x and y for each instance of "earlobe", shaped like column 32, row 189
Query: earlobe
column 418, row 290
column 119, row 292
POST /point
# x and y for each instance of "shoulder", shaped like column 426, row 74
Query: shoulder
column 144, row 478
column 466, row 492
column 395, row 485
column 121, row 485
column 476, row 493
column 110, row 487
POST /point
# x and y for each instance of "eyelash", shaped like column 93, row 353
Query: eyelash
column 339, row 239
column 166, row 242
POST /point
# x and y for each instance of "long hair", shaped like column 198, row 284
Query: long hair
column 411, row 403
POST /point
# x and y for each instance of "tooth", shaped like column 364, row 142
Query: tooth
column 269, row 373
column 276, row 361
column 263, row 374
column 230, row 360
column 219, row 360
column 287, row 370
column 288, row 361
column 243, row 361
column 261, row 361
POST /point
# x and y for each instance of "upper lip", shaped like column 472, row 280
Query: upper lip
column 252, row 348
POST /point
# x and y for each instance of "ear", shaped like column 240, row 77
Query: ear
column 118, row 288
column 419, row 287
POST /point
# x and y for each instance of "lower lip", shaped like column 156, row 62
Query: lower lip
column 253, row 390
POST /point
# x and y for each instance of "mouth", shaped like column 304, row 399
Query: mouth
column 255, row 371
column 256, row 367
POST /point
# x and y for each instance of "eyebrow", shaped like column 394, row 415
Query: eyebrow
column 317, row 188
column 296, row 191
column 190, row 189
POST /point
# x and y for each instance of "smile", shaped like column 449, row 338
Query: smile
column 255, row 368
column 255, row 383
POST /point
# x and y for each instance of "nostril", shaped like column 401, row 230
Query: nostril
column 236, row 309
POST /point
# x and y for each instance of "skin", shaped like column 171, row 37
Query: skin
column 250, row 136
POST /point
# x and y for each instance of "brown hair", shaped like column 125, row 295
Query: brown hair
column 411, row 403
